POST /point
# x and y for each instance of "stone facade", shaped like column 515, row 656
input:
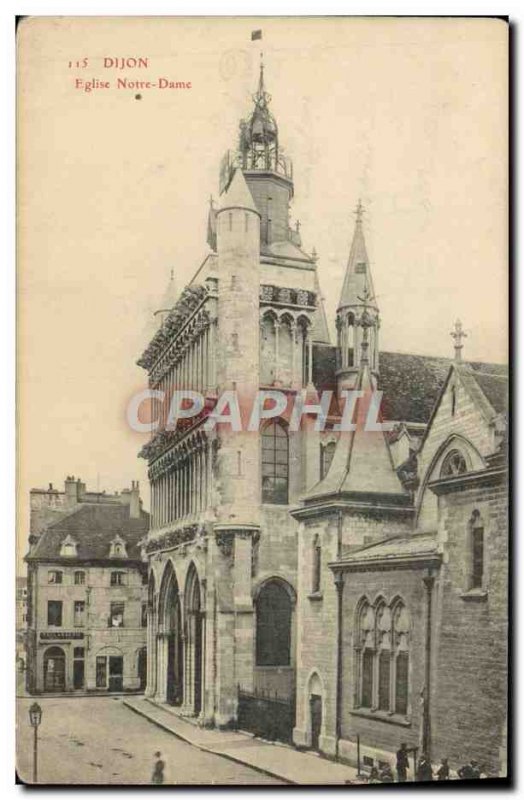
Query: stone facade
column 87, row 592
column 350, row 574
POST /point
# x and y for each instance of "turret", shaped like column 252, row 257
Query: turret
column 357, row 314
column 238, row 246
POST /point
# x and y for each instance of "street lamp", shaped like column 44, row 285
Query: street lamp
column 35, row 717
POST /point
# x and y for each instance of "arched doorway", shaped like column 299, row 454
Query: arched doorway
column 315, row 710
column 54, row 670
column 142, row 668
column 171, row 636
column 194, row 639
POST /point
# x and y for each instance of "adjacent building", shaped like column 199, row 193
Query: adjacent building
column 87, row 590
column 357, row 581
column 21, row 620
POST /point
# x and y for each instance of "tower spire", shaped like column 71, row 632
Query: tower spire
column 357, row 313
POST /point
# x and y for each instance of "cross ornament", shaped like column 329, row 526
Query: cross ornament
column 458, row 334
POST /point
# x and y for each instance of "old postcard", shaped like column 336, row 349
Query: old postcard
column 262, row 399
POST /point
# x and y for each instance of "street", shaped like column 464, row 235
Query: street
column 97, row 740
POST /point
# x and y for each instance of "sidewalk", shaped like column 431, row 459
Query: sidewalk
column 278, row 760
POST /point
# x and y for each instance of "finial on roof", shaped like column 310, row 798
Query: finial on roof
column 359, row 211
column 172, row 274
column 458, row 334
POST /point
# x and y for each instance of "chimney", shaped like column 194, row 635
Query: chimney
column 131, row 497
column 71, row 491
column 134, row 506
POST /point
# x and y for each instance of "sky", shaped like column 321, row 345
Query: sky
column 410, row 115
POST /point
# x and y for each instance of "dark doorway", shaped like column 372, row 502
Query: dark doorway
column 315, row 705
column 54, row 670
column 116, row 673
column 174, row 669
column 78, row 674
column 142, row 668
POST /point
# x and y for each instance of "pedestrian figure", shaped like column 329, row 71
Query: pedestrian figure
column 482, row 771
column 386, row 774
column 158, row 771
column 402, row 763
column 469, row 771
column 373, row 776
column 443, row 770
column 424, row 771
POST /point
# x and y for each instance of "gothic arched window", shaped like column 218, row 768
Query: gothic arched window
column 327, row 451
column 275, row 464
column 273, row 626
column 401, row 627
column 317, row 565
column 267, row 350
column 476, row 532
column 453, row 464
column 382, row 657
column 366, row 654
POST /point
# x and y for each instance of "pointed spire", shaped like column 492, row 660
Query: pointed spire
column 358, row 278
column 362, row 462
column 237, row 195
column 261, row 98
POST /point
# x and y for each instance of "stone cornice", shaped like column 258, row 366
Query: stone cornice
column 468, row 480
column 419, row 561
column 191, row 298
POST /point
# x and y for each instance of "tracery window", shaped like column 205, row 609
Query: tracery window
column 382, row 657
column 453, row 464
column 275, row 464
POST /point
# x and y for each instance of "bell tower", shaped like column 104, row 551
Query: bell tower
column 268, row 172
column 357, row 313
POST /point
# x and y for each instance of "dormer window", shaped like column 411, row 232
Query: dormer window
column 118, row 548
column 68, row 548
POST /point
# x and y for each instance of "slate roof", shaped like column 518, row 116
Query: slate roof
column 495, row 389
column 393, row 548
column 412, row 383
column 361, row 463
column 93, row 526
column 237, row 195
column 358, row 272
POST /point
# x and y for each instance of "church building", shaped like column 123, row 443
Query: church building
column 356, row 580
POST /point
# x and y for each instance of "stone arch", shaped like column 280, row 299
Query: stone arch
column 194, row 638
column 315, row 704
column 426, row 506
column 273, row 613
column 170, row 638
column 274, row 601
